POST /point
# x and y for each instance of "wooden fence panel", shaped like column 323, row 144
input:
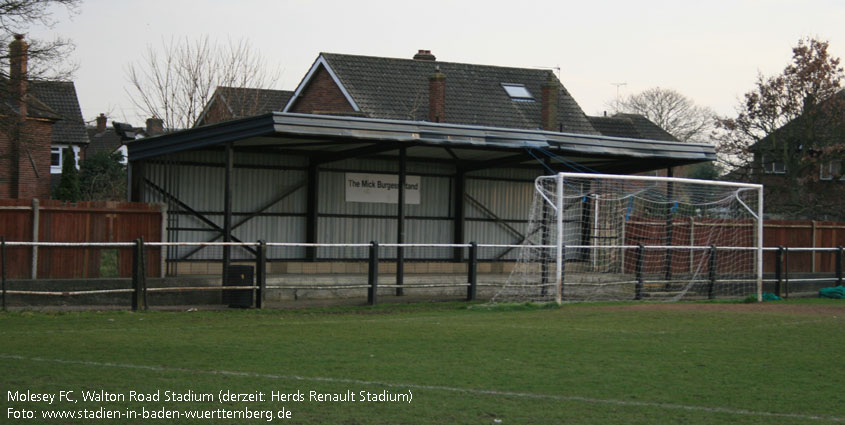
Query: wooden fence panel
column 80, row 222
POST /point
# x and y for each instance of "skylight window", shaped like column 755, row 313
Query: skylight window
column 518, row 92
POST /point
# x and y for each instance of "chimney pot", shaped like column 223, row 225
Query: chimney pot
column 424, row 55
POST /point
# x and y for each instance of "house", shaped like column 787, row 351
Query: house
column 40, row 119
column 105, row 139
column 424, row 89
column 801, row 164
column 228, row 103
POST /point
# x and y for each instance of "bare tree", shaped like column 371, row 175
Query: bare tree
column 672, row 111
column 175, row 82
column 46, row 59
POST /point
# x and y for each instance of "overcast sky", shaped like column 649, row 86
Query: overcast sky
column 710, row 51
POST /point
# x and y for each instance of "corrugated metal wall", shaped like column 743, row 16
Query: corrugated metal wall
column 496, row 209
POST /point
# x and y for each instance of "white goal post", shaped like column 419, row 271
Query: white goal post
column 613, row 237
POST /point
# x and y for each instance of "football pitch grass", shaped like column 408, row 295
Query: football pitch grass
column 625, row 363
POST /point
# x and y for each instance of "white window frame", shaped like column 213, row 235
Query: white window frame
column 772, row 167
column 57, row 169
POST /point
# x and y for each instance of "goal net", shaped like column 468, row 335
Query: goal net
column 609, row 237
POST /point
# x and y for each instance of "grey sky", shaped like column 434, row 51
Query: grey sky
column 710, row 51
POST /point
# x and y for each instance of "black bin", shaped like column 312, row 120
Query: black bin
column 238, row 276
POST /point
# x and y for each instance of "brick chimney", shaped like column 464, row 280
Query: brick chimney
column 424, row 55
column 437, row 96
column 155, row 126
column 17, row 72
column 101, row 124
column 548, row 99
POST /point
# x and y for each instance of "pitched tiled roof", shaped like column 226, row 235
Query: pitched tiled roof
column 244, row 102
column 60, row 97
column 631, row 126
column 398, row 89
column 107, row 141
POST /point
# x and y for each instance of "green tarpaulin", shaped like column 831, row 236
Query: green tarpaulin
column 837, row 292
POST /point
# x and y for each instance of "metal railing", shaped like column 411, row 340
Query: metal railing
column 139, row 289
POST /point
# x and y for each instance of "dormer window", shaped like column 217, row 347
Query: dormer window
column 518, row 92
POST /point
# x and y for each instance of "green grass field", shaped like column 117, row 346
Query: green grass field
column 700, row 363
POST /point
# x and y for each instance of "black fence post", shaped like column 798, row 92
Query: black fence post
column 372, row 278
column 839, row 265
column 261, row 274
column 143, row 274
column 779, row 270
column 786, row 270
column 472, row 271
column 137, row 275
column 562, row 272
column 638, row 271
column 3, row 266
column 711, row 290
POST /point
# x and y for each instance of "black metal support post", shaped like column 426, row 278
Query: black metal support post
column 136, row 181
column 400, row 223
column 638, row 272
column 227, row 210
column 711, row 289
column 139, row 276
column 372, row 278
column 460, row 214
column 311, row 211
column 839, row 265
column 779, row 271
column 261, row 274
column 472, row 272
column 3, row 266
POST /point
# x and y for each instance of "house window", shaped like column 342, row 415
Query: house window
column 828, row 170
column 518, row 92
column 56, row 159
column 772, row 166
column 57, row 154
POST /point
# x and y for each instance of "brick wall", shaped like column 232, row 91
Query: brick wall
column 217, row 113
column 25, row 167
column 322, row 96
